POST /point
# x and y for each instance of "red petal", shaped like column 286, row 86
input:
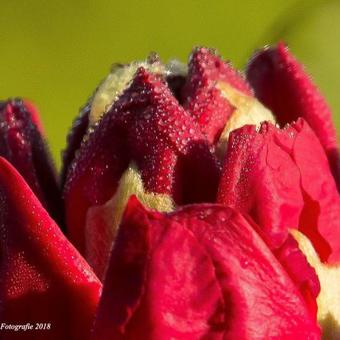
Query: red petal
column 200, row 95
column 43, row 278
column 282, row 179
column 202, row 272
column 74, row 139
column 148, row 127
column 282, row 84
column 260, row 178
column 21, row 143
column 302, row 274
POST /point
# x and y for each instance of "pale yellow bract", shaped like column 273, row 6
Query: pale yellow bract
column 111, row 212
column 248, row 110
column 131, row 183
column 329, row 298
column 119, row 79
column 114, row 85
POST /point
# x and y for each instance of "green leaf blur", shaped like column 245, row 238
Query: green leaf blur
column 56, row 52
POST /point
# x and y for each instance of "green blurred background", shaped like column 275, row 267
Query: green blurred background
column 56, row 52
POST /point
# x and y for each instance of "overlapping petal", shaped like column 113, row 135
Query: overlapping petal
column 201, row 272
column 283, row 85
column 43, row 277
column 283, row 180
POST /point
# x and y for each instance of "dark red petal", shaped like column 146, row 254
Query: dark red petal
column 282, row 84
column 74, row 139
column 22, row 144
column 35, row 116
column 147, row 127
column 200, row 95
column 202, row 272
column 282, row 179
column 162, row 125
column 43, row 278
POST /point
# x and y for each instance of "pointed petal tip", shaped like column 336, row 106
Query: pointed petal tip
column 22, row 143
column 134, row 203
column 33, row 110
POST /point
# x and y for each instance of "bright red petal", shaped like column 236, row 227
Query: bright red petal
column 202, row 272
column 43, row 278
column 283, row 180
column 282, row 84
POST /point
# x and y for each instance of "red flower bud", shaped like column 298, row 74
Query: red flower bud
column 262, row 264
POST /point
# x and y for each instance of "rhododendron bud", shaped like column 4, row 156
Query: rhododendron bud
column 233, row 227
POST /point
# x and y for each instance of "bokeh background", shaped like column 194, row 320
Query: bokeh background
column 56, row 52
